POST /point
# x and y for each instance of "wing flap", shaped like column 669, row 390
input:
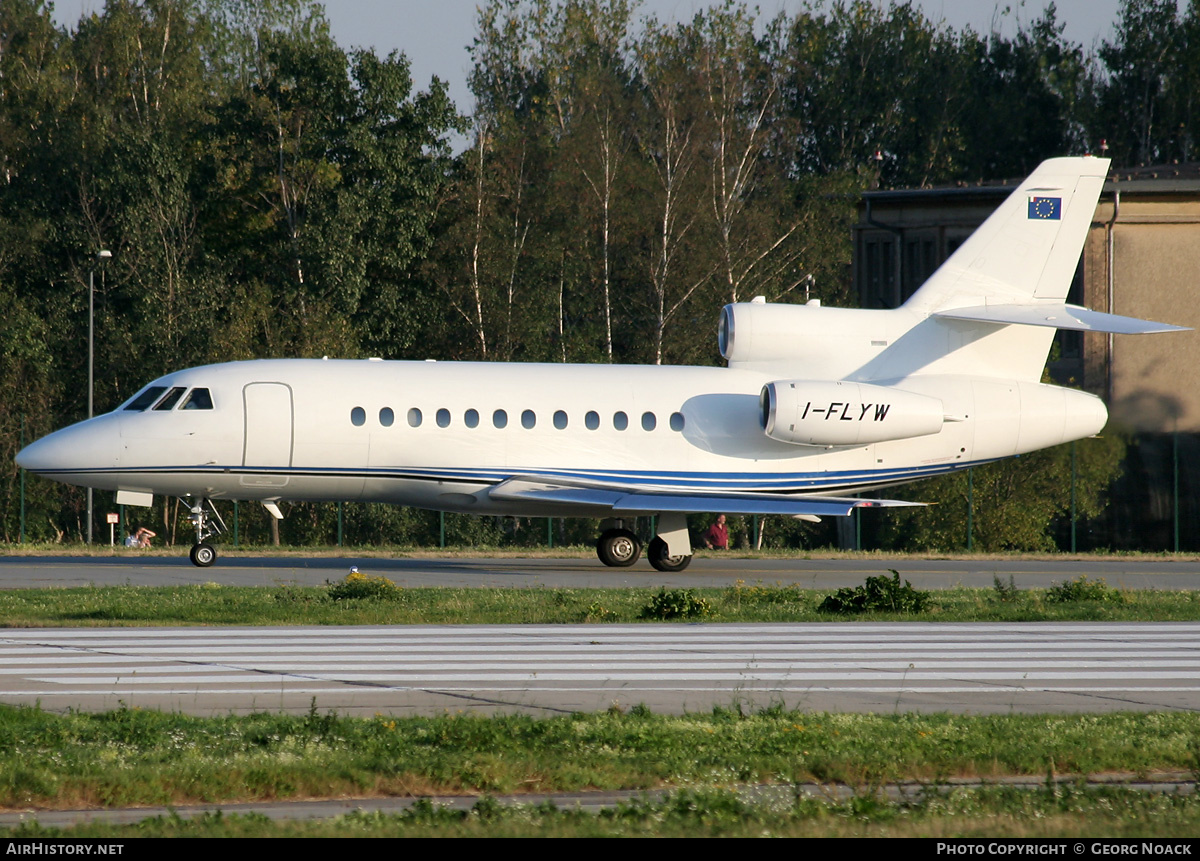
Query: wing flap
column 1059, row 316
column 623, row 500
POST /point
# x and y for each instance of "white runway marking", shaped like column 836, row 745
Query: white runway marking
column 1140, row 665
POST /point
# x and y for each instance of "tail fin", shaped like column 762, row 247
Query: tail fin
column 1028, row 249
column 1022, row 258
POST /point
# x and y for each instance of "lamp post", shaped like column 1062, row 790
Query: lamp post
column 101, row 256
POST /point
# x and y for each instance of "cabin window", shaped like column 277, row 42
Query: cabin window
column 171, row 399
column 197, row 399
column 471, row 418
column 560, row 419
column 386, row 417
column 620, row 421
column 414, row 417
column 358, row 417
column 528, row 419
column 146, row 398
column 443, row 418
column 676, row 421
column 592, row 420
column 500, row 419
column 649, row 422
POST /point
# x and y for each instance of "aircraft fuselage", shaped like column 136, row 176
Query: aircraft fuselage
column 439, row 435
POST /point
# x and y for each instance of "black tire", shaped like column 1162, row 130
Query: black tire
column 202, row 555
column 661, row 560
column 618, row 548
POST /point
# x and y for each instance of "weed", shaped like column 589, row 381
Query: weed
column 289, row 595
column 1083, row 589
column 1006, row 592
column 597, row 612
column 877, row 594
column 761, row 595
column 676, row 604
column 362, row 586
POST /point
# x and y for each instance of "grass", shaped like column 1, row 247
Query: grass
column 213, row 604
column 132, row 757
column 1014, row 814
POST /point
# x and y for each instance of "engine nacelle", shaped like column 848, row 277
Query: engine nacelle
column 802, row 340
column 828, row 413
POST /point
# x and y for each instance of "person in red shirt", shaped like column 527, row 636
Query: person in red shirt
column 717, row 537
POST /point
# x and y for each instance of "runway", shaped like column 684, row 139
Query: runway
column 1141, row 572
column 977, row 668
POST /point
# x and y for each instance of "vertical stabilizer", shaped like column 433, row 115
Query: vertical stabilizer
column 1022, row 257
column 1028, row 249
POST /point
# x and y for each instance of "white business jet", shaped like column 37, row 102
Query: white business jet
column 816, row 403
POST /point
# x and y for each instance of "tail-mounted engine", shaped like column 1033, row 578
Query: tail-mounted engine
column 804, row 412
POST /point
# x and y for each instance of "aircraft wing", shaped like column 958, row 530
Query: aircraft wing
column 628, row 500
column 1059, row 316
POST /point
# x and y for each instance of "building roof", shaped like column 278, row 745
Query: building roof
column 1179, row 178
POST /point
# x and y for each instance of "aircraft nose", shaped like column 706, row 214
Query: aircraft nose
column 93, row 444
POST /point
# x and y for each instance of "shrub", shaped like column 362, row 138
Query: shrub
column 358, row 585
column 1006, row 592
column 676, row 604
column 878, row 594
column 1082, row 589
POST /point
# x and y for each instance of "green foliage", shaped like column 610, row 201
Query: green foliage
column 1006, row 592
column 1016, row 503
column 1083, row 589
column 877, row 595
column 676, row 604
column 359, row 586
column 133, row 757
column 759, row 595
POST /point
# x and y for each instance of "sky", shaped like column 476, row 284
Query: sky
column 435, row 34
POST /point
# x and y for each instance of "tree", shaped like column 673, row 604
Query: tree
column 1137, row 114
column 1015, row 502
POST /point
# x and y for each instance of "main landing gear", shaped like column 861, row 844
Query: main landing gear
column 207, row 522
column 617, row 547
column 662, row 560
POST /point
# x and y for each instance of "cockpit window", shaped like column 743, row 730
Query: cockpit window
column 146, row 398
column 197, row 399
column 171, row 399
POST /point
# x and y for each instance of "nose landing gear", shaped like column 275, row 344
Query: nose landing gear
column 207, row 522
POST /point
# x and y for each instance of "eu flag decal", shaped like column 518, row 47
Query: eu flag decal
column 1045, row 208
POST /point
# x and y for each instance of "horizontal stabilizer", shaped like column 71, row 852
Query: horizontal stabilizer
column 627, row 500
column 1059, row 317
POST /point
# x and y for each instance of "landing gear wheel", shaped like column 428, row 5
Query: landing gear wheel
column 660, row 559
column 618, row 548
column 202, row 555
